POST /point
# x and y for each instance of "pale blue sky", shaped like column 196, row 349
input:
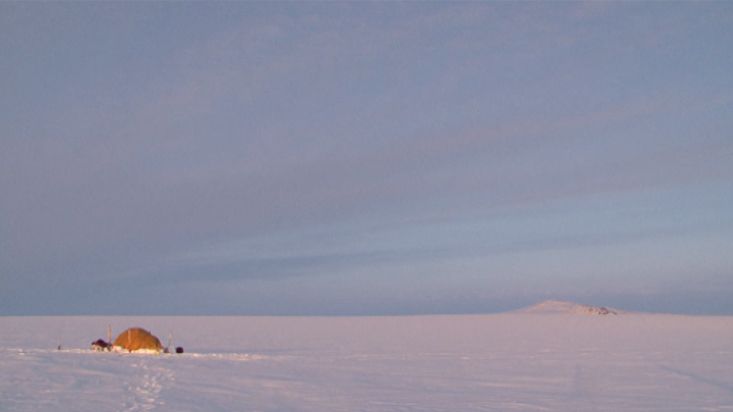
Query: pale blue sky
column 364, row 158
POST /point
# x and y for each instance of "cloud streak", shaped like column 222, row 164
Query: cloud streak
column 257, row 125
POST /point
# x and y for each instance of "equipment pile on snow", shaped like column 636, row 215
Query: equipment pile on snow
column 100, row 345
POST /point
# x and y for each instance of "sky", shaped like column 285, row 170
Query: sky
column 364, row 158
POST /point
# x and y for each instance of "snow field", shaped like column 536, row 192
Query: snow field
column 507, row 362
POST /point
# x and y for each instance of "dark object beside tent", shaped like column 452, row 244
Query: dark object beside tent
column 100, row 345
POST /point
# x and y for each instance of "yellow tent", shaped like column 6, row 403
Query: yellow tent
column 137, row 339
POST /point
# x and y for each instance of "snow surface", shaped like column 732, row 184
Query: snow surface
column 506, row 362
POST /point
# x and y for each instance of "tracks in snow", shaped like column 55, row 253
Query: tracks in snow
column 150, row 376
column 145, row 385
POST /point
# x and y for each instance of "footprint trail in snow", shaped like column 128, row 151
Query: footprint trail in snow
column 145, row 386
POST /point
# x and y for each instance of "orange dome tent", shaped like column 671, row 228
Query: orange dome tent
column 137, row 339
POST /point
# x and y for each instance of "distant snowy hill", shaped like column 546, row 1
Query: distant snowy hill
column 571, row 308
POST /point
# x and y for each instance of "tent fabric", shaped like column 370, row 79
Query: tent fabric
column 134, row 339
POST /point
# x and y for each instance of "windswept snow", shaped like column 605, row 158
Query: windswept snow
column 508, row 362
